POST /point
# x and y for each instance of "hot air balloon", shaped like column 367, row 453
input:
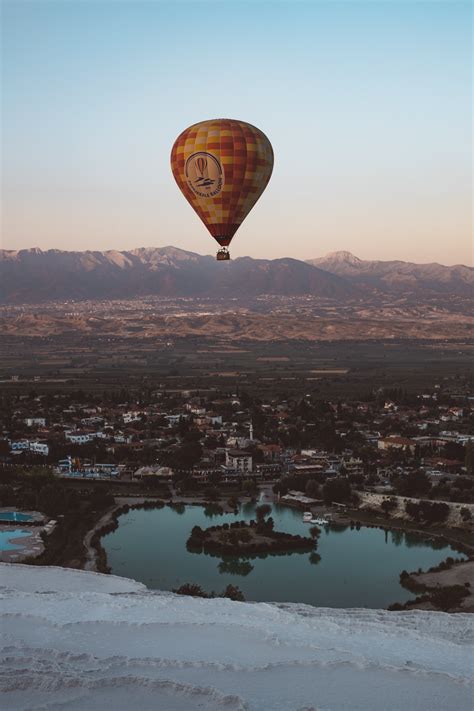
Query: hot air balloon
column 222, row 166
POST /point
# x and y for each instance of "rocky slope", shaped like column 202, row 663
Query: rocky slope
column 240, row 326
column 33, row 276
column 398, row 277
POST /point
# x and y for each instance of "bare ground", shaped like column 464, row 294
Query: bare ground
column 459, row 574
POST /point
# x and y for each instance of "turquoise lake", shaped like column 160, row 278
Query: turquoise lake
column 15, row 516
column 7, row 536
column 358, row 568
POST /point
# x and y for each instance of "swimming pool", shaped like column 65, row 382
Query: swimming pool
column 15, row 516
column 7, row 536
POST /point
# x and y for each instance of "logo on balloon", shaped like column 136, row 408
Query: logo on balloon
column 204, row 174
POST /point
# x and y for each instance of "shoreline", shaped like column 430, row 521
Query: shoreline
column 453, row 537
column 97, row 558
column 29, row 545
column 459, row 574
column 92, row 554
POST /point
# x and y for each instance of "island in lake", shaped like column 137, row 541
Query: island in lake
column 249, row 538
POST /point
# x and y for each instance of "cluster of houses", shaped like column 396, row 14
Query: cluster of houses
column 132, row 438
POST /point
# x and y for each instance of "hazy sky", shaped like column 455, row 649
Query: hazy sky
column 367, row 105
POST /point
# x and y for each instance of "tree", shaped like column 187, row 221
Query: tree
column 186, row 484
column 280, row 488
column 312, row 488
column 388, row 505
column 449, row 597
column 337, row 489
column 413, row 510
column 215, row 477
column 454, row 450
column 434, row 512
column 101, row 498
column 257, row 455
column 429, row 511
column 262, row 511
column 211, row 442
column 416, row 483
column 186, row 456
column 183, row 426
column 465, row 514
column 249, row 487
column 469, row 458
column 213, row 493
column 7, row 495
column 233, row 502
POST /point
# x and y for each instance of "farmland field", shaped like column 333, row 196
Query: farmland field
column 327, row 369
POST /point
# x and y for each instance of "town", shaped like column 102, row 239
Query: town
column 73, row 462
column 392, row 443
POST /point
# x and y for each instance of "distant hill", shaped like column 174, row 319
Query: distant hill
column 31, row 275
column 399, row 277
column 34, row 276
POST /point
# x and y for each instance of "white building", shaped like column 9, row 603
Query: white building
column 78, row 437
column 196, row 409
column 25, row 445
column 239, row 460
column 162, row 472
column 175, row 419
column 39, row 448
column 19, row 446
column 95, row 420
column 121, row 438
column 35, row 421
column 132, row 416
column 395, row 442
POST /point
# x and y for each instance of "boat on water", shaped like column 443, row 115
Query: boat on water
column 320, row 521
column 307, row 516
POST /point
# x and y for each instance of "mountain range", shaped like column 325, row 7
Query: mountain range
column 397, row 276
column 35, row 276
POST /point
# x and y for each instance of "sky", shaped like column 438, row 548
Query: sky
column 367, row 106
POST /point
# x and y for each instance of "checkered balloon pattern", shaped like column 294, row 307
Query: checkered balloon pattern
column 222, row 167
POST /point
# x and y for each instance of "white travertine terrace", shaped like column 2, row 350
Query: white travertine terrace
column 82, row 641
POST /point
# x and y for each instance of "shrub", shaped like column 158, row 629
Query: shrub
column 337, row 489
column 465, row 514
column 388, row 505
column 449, row 597
column 191, row 589
column 415, row 483
column 213, row 493
column 233, row 593
column 262, row 511
column 244, row 535
column 429, row 511
column 233, row 502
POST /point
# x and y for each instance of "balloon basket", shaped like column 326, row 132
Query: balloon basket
column 222, row 255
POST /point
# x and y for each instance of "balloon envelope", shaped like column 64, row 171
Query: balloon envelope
column 222, row 166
